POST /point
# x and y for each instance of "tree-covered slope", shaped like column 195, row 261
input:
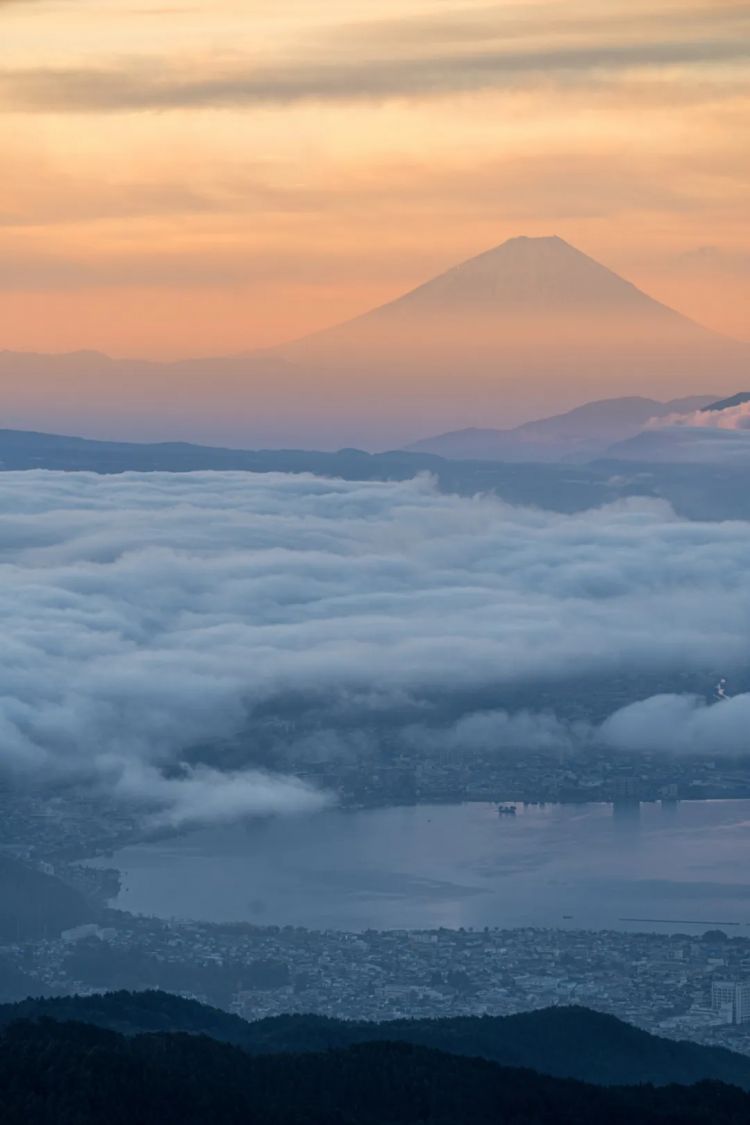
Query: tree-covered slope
column 565, row 1042
column 77, row 1074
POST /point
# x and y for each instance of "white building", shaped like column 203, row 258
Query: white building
column 731, row 1001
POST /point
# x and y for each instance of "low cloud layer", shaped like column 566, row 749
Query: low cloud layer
column 701, row 436
column 147, row 615
column 731, row 418
column 681, row 724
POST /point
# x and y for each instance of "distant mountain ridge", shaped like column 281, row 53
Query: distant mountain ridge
column 728, row 403
column 694, row 493
column 716, row 434
column 582, row 433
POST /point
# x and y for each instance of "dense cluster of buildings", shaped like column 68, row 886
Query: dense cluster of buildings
column 536, row 777
column 685, row 986
column 694, row 985
column 75, row 824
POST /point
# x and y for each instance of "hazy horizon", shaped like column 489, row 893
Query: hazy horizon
column 530, row 328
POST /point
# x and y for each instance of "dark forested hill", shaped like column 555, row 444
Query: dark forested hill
column 76, row 1074
column 565, row 1042
column 133, row 1012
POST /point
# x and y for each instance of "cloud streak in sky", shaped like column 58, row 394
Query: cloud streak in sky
column 135, row 86
column 147, row 615
column 382, row 140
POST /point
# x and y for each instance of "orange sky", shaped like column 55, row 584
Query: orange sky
column 217, row 175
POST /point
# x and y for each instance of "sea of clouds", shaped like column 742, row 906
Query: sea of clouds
column 145, row 614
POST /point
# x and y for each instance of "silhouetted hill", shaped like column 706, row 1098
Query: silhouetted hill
column 717, row 434
column 582, row 433
column 132, row 1013
column 568, row 1042
column 727, row 403
column 75, row 1074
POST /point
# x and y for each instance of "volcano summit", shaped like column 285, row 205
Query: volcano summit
column 529, row 328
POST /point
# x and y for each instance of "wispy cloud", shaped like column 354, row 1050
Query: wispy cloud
column 222, row 131
column 133, row 85
column 481, row 24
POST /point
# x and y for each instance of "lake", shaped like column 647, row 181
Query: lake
column 679, row 867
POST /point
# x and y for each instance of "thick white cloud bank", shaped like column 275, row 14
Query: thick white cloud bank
column 731, row 418
column 146, row 613
column 681, row 724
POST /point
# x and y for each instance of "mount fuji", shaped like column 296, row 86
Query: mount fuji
column 527, row 329
column 530, row 327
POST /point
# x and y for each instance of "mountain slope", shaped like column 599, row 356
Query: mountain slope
column 531, row 326
column 717, row 434
column 542, row 275
column 739, row 399
column 683, row 446
column 563, row 1042
column 581, row 433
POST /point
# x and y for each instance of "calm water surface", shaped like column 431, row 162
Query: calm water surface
column 679, row 867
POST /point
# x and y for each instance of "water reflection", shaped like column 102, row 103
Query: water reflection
column 626, row 814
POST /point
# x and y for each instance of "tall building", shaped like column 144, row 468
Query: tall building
column 731, row 1000
column 742, row 1004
